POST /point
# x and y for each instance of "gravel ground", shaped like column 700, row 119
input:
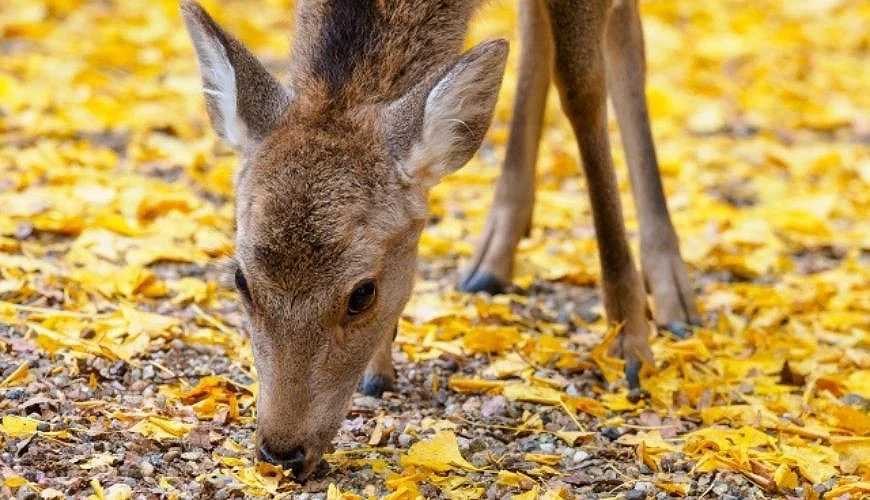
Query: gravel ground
column 64, row 396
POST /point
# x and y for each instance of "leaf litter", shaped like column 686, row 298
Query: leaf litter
column 124, row 370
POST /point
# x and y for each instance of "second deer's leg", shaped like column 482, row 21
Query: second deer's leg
column 511, row 213
column 578, row 32
column 660, row 257
column 380, row 374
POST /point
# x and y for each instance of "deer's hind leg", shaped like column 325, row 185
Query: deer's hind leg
column 660, row 258
column 511, row 214
column 578, row 33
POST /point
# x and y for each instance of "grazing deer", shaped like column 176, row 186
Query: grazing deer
column 332, row 194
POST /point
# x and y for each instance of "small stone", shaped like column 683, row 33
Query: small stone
column 367, row 402
column 821, row 488
column 579, row 456
column 404, row 440
column 476, row 445
column 480, row 459
column 644, row 486
column 147, row 469
column 635, row 495
column 495, row 406
column 16, row 393
column 720, row 488
column 528, row 444
column 23, row 230
column 547, row 447
column 471, row 406
column 611, row 433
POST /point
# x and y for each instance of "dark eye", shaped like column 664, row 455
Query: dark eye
column 242, row 284
column 362, row 298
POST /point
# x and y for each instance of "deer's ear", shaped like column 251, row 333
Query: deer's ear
column 453, row 117
column 244, row 101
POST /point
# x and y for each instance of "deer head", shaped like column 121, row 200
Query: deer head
column 330, row 203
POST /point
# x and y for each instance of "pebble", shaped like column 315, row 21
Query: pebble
column 16, row 393
column 471, row 405
column 611, row 433
column 579, row 456
column 495, row 406
column 147, row 469
column 477, row 444
column 720, row 488
column 528, row 444
column 547, row 447
column 635, row 494
column 644, row 486
column 404, row 440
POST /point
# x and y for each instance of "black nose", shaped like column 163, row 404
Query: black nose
column 293, row 459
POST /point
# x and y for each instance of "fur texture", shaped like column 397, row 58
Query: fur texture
column 332, row 191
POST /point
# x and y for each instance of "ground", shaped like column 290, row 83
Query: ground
column 124, row 370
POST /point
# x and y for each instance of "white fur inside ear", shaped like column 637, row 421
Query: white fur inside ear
column 456, row 114
column 443, row 131
column 219, row 85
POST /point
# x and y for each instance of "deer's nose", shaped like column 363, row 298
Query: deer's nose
column 293, row 459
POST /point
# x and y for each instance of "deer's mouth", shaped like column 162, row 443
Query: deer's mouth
column 302, row 462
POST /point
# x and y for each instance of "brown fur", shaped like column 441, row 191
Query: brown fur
column 337, row 167
column 373, row 51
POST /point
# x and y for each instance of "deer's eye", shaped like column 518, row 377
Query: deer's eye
column 362, row 298
column 242, row 284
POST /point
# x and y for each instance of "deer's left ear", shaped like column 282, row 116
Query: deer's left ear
column 244, row 101
column 451, row 119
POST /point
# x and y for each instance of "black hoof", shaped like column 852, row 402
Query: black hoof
column 632, row 375
column 483, row 282
column 375, row 385
column 679, row 329
column 635, row 395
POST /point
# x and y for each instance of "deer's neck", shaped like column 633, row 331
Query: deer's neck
column 367, row 51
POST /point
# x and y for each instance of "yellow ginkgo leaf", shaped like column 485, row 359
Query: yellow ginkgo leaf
column 160, row 428
column 15, row 426
column 19, row 376
column 532, row 393
column 439, row 454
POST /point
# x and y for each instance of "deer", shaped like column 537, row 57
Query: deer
column 336, row 165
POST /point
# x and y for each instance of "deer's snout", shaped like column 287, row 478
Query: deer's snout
column 293, row 459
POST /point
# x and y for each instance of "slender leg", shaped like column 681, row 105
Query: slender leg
column 660, row 258
column 380, row 374
column 511, row 214
column 578, row 32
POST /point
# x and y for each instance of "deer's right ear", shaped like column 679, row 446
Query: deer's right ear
column 436, row 129
column 244, row 101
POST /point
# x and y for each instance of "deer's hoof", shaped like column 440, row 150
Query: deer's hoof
column 375, row 385
column 482, row 281
column 632, row 375
column 635, row 395
column 679, row 329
